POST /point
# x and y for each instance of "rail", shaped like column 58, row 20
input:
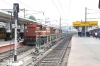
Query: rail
column 55, row 57
column 9, row 54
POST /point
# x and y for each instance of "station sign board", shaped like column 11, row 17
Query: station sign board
column 83, row 23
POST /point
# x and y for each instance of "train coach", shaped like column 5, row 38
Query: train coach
column 4, row 35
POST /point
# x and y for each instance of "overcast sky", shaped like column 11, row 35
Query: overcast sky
column 71, row 10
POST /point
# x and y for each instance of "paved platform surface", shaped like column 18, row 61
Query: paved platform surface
column 8, row 45
column 85, row 51
column 5, row 43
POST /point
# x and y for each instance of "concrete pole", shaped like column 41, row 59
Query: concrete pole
column 22, row 30
column 85, row 19
column 60, row 25
column 50, row 35
column 8, row 31
column 8, row 28
column 24, row 12
column 11, row 22
column 44, row 17
column 60, row 28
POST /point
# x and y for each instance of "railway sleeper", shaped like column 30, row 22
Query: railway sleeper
column 1, row 60
column 49, row 61
column 56, row 51
column 9, row 55
column 53, row 59
column 47, row 64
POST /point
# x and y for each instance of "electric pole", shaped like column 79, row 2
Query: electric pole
column 60, row 25
column 24, row 12
column 85, row 19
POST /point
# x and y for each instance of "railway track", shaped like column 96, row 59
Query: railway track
column 54, row 58
column 9, row 54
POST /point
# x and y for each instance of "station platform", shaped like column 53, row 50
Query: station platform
column 8, row 45
column 85, row 51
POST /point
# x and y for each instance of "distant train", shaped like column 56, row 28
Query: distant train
column 3, row 33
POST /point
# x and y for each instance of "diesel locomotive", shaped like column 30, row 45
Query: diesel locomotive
column 34, row 30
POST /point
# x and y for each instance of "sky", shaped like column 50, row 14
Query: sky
column 68, row 10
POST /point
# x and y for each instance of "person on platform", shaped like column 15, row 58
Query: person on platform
column 96, row 34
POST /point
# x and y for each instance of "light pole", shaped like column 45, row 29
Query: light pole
column 60, row 25
column 85, row 19
column 63, row 23
column 45, row 18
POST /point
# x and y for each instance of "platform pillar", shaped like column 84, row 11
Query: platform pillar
column 8, row 31
column 22, row 31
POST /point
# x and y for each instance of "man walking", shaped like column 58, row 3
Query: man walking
column 96, row 34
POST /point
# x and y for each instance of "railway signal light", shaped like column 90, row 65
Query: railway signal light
column 99, row 4
column 15, row 10
column 15, row 13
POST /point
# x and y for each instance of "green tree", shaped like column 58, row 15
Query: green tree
column 32, row 17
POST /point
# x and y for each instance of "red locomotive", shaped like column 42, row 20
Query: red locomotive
column 33, row 30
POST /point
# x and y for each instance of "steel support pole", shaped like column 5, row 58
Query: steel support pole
column 24, row 12
column 60, row 25
column 60, row 28
column 11, row 22
column 51, row 35
column 85, row 19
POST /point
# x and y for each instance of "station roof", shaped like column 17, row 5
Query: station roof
column 5, row 17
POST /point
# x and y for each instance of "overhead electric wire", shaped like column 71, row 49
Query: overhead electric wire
column 69, row 8
column 27, row 6
column 93, row 10
column 56, row 7
column 94, row 18
column 62, row 8
column 20, row 2
column 6, row 2
column 64, row 22
column 93, row 13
